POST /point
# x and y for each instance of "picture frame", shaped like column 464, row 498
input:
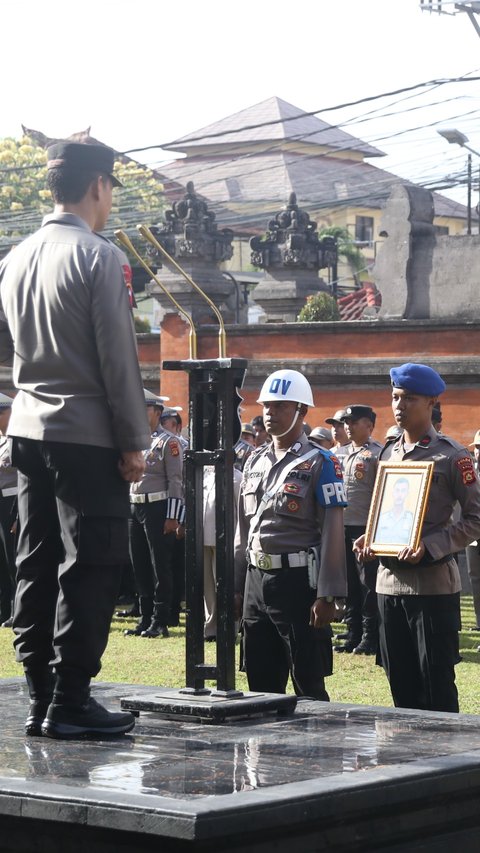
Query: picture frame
column 398, row 506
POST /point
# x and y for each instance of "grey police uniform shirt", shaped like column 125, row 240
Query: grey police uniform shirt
column 304, row 512
column 163, row 472
column 393, row 528
column 359, row 471
column 8, row 474
column 66, row 321
column 454, row 479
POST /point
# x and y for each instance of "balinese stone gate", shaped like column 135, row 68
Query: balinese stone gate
column 420, row 274
column 427, row 279
column 291, row 253
column 191, row 236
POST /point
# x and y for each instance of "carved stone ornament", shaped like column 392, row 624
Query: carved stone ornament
column 292, row 242
column 189, row 230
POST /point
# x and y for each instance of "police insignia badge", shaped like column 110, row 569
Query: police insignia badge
column 304, row 466
column 293, row 506
column 291, row 488
column 465, row 466
column 337, row 467
column 174, row 448
column 359, row 475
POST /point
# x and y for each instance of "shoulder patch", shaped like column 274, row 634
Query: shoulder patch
column 337, row 467
column 174, row 447
column 465, row 466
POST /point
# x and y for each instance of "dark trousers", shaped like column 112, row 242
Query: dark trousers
column 69, row 556
column 361, row 611
column 7, row 555
column 152, row 554
column 278, row 639
column 419, row 649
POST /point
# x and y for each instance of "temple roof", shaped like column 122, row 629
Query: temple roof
column 272, row 120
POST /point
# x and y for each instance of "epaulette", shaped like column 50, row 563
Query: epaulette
column 452, row 442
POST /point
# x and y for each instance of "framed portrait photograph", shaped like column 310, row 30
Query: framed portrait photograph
column 399, row 503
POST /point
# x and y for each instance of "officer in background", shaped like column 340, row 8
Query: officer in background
column 290, row 546
column 8, row 513
column 322, row 437
column 359, row 462
column 472, row 551
column 170, row 421
column 244, row 446
column 339, row 434
column 157, row 507
column 419, row 590
column 261, row 434
column 437, row 417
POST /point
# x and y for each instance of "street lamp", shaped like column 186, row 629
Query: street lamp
column 456, row 137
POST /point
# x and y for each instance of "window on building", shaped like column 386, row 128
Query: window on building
column 364, row 229
column 233, row 188
column 442, row 229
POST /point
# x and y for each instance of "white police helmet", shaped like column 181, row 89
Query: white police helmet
column 286, row 385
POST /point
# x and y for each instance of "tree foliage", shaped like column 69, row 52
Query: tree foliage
column 25, row 198
column 319, row 307
column 346, row 247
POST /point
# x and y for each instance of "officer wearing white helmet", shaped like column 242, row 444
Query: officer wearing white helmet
column 289, row 547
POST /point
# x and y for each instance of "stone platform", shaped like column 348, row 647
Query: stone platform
column 330, row 777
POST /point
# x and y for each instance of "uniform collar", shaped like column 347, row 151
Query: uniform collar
column 296, row 448
column 66, row 219
column 425, row 441
column 298, row 445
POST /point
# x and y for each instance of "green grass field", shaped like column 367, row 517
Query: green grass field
column 356, row 679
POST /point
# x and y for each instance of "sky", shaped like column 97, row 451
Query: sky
column 147, row 72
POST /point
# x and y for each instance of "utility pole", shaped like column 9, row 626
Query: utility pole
column 451, row 7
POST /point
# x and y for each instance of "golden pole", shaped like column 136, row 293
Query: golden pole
column 222, row 337
column 192, row 341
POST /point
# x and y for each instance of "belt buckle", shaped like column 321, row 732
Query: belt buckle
column 264, row 562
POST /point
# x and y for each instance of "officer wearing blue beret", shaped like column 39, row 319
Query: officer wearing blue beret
column 419, row 589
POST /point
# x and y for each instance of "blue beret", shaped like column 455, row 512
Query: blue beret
column 418, row 378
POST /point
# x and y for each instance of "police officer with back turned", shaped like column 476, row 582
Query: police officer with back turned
column 290, row 545
column 78, row 427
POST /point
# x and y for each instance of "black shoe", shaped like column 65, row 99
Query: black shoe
column 347, row 647
column 36, row 715
column 128, row 614
column 365, row 647
column 345, row 636
column 139, row 629
column 156, row 630
column 8, row 623
column 73, row 721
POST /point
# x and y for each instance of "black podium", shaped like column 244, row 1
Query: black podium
column 214, row 426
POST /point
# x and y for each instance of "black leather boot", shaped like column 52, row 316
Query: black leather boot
column 73, row 713
column 40, row 682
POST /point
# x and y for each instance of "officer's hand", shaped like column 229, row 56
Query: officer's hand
column 131, row 465
column 322, row 613
column 410, row 555
column 237, row 606
column 170, row 525
column 363, row 554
